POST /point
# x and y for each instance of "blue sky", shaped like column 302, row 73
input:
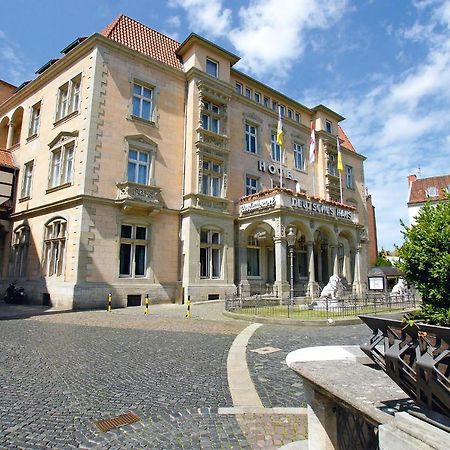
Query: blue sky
column 382, row 64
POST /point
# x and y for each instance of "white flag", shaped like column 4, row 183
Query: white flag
column 312, row 144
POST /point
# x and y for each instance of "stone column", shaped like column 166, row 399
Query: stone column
column 312, row 285
column 244, row 285
column 9, row 139
column 319, row 263
column 346, row 268
column 281, row 282
column 357, row 284
column 335, row 259
column 322, row 424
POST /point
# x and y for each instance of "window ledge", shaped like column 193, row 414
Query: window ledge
column 65, row 118
column 301, row 170
column 32, row 137
column 24, row 199
column 58, row 188
column 150, row 123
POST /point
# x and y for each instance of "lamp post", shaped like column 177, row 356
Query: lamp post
column 291, row 237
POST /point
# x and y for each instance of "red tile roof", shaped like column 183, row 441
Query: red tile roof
column 139, row 37
column 419, row 186
column 6, row 159
column 346, row 141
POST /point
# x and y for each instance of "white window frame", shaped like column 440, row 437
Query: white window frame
column 275, row 148
column 137, row 164
column 431, row 192
column 299, row 156
column 69, row 96
column 297, row 117
column 35, row 119
column 349, row 177
column 20, row 245
column 55, row 238
column 212, row 67
column 251, row 184
column 248, row 92
column 251, row 138
column 212, row 178
column 133, row 242
column 211, row 254
column 140, row 99
column 257, row 97
column 328, row 126
column 27, row 179
column 210, row 116
column 266, row 102
column 253, row 248
column 62, row 167
column 238, row 88
column 332, row 165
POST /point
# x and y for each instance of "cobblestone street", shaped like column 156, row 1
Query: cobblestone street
column 61, row 372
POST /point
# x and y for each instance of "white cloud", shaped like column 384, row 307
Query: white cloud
column 14, row 69
column 174, row 21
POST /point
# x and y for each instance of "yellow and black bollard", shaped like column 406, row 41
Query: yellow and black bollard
column 188, row 312
column 109, row 302
column 146, row 305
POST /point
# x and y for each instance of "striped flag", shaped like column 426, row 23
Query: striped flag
column 312, row 144
column 340, row 166
column 280, row 129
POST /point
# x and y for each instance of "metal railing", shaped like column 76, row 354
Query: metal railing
column 349, row 305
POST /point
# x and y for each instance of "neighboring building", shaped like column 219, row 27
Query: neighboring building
column 372, row 231
column 6, row 90
column 7, row 183
column 423, row 190
column 150, row 167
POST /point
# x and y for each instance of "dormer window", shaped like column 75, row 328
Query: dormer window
column 328, row 126
column 212, row 67
column 431, row 191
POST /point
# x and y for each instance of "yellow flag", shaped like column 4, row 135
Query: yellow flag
column 339, row 162
column 280, row 129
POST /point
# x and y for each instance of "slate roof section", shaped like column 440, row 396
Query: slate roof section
column 345, row 140
column 145, row 40
column 6, row 159
column 419, row 186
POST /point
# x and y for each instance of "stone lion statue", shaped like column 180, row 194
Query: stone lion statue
column 331, row 289
column 400, row 288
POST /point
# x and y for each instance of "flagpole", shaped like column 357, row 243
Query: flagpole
column 340, row 185
column 281, row 167
column 340, row 166
column 280, row 141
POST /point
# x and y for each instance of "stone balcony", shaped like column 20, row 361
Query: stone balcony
column 135, row 197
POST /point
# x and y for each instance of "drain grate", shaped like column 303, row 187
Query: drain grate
column 116, row 422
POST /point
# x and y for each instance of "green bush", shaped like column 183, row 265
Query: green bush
column 425, row 261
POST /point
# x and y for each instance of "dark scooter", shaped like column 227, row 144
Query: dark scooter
column 14, row 294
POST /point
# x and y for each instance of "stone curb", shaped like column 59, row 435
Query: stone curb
column 239, row 410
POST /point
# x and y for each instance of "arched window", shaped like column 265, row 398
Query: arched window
column 21, row 240
column 55, row 246
column 210, row 253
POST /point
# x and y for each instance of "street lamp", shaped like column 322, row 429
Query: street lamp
column 291, row 237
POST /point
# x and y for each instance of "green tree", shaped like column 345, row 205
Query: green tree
column 425, row 261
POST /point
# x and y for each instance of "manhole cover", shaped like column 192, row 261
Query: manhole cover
column 266, row 350
column 116, row 422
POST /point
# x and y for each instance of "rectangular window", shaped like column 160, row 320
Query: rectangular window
column 282, row 110
column 212, row 67
column 35, row 118
column 328, row 126
column 275, row 148
column 267, row 102
column 238, row 88
column 251, row 185
column 133, row 251
column 210, row 254
column 248, row 92
column 297, row 117
column 275, row 105
column 61, row 168
column 211, row 117
column 138, row 166
column 349, row 180
column 299, row 157
column 27, row 177
column 289, row 114
column 257, row 97
column 253, row 258
column 212, row 178
column 55, row 245
column 251, row 139
column 332, row 165
column 68, row 98
column 142, row 102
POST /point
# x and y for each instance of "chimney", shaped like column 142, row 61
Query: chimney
column 411, row 179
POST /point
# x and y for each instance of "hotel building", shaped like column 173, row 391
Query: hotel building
column 152, row 167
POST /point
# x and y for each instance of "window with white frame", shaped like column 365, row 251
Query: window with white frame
column 328, row 126
column 133, row 251
column 35, row 118
column 210, row 117
column 267, row 102
column 282, row 110
column 297, row 117
column 332, row 165
column 27, row 178
column 299, row 156
column 248, row 92
column 251, row 138
column 139, row 163
column 431, row 191
column 21, row 240
column 210, row 253
column 61, row 164
column 251, row 185
column 55, row 247
column 238, row 88
column 212, row 67
column 257, row 97
column 253, row 257
column 349, row 179
column 275, row 147
column 289, row 113
column 142, row 101
column 68, row 98
column 212, row 175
